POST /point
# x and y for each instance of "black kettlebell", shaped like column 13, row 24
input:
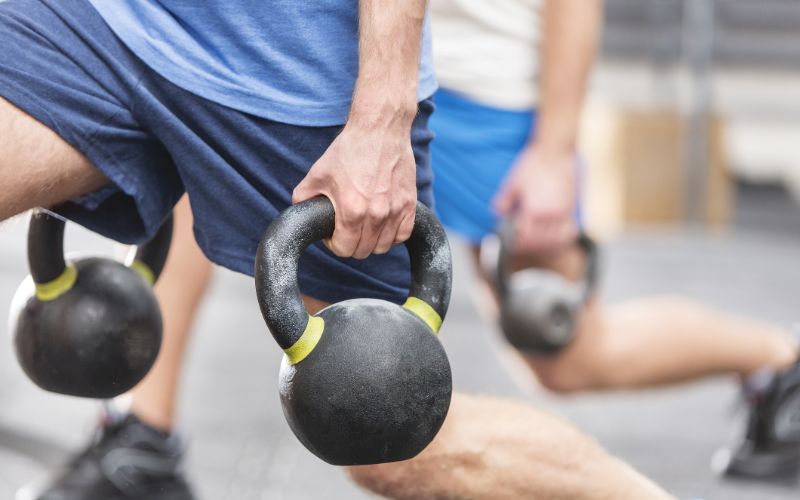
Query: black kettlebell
column 539, row 308
column 89, row 327
column 364, row 381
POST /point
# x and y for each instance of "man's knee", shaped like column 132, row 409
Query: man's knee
column 390, row 480
column 488, row 448
column 559, row 374
column 581, row 365
column 445, row 465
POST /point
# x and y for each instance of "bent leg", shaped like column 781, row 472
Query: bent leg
column 660, row 340
column 706, row 340
column 498, row 449
column 37, row 167
column 654, row 341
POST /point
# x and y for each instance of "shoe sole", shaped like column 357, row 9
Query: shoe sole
column 30, row 493
column 776, row 465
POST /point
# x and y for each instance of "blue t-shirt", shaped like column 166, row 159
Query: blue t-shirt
column 291, row 61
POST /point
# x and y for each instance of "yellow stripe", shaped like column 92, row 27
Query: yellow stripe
column 307, row 342
column 425, row 312
column 145, row 271
column 58, row 287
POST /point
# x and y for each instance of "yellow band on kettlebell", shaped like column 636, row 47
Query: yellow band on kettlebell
column 425, row 312
column 58, row 287
column 307, row 342
column 145, row 271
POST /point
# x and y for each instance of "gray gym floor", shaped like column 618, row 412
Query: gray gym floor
column 241, row 448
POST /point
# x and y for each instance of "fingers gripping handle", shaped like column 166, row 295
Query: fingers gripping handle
column 299, row 226
column 506, row 234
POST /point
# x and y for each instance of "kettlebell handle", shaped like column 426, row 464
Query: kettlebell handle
column 301, row 225
column 46, row 251
column 506, row 233
column 151, row 257
column 592, row 270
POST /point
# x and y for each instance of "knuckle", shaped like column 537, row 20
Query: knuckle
column 354, row 205
column 383, row 248
column 361, row 253
column 398, row 211
column 342, row 246
column 355, row 215
column 403, row 234
column 378, row 211
column 351, row 220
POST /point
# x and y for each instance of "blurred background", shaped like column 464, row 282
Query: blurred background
column 692, row 135
column 708, row 86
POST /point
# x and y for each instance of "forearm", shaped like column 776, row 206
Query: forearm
column 389, row 51
column 369, row 171
column 570, row 35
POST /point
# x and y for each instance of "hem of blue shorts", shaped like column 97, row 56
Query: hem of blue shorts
column 323, row 290
column 468, row 232
column 473, row 239
column 98, row 155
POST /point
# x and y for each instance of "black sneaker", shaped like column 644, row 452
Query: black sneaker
column 127, row 460
column 771, row 447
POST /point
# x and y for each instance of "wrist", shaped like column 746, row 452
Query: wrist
column 382, row 115
column 555, row 135
column 384, row 105
column 382, row 112
column 550, row 153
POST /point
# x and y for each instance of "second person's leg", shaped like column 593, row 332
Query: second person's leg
column 653, row 341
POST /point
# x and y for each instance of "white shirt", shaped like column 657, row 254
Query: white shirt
column 488, row 49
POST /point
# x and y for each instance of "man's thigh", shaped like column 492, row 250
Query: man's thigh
column 492, row 448
column 37, row 167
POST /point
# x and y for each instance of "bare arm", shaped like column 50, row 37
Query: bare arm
column 390, row 40
column 369, row 172
column 542, row 188
column 571, row 31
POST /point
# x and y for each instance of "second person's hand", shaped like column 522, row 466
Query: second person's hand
column 541, row 194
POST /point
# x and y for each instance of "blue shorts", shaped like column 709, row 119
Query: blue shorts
column 61, row 64
column 475, row 148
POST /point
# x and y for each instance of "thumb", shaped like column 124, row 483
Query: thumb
column 504, row 200
column 306, row 190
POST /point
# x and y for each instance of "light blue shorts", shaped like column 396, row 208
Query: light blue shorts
column 475, row 147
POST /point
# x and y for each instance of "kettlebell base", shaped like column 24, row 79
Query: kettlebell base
column 98, row 340
column 338, row 462
column 375, row 389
